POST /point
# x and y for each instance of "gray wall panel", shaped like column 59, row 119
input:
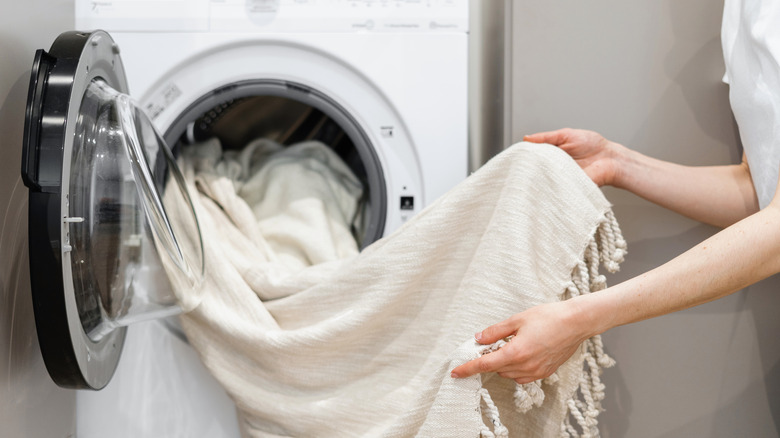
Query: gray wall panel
column 647, row 73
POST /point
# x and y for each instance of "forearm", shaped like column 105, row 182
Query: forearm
column 545, row 336
column 716, row 195
column 738, row 256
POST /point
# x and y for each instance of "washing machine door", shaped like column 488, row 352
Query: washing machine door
column 111, row 223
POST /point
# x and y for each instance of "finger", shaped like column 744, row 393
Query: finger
column 484, row 364
column 556, row 138
column 511, row 374
column 497, row 331
column 520, row 377
column 524, row 380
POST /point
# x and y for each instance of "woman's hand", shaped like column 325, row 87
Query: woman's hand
column 545, row 337
column 595, row 154
column 715, row 195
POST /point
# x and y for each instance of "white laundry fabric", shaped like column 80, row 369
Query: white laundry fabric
column 751, row 49
column 303, row 199
column 363, row 346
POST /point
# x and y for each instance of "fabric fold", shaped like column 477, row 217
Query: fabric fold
column 362, row 345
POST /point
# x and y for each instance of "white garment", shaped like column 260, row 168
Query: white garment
column 751, row 48
column 363, row 347
column 304, row 198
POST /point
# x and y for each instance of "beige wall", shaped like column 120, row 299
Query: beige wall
column 30, row 404
column 647, row 73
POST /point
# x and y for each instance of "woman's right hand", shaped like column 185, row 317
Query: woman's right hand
column 596, row 155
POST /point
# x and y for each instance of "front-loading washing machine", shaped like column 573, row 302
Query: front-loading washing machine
column 382, row 82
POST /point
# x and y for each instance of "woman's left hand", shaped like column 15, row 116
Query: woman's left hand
column 545, row 337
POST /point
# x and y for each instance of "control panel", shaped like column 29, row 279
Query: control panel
column 273, row 15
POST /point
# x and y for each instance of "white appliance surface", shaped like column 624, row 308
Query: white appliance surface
column 274, row 16
column 399, row 67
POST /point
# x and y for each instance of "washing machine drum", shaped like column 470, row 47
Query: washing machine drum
column 100, row 243
column 288, row 113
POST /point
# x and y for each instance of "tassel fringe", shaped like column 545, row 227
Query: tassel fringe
column 608, row 248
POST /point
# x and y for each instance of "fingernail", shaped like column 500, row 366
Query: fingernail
column 478, row 336
column 453, row 375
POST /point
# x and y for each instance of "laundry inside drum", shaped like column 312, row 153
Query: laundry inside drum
column 244, row 121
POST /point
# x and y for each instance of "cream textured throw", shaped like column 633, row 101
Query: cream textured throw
column 361, row 345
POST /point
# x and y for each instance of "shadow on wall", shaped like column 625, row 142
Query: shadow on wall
column 740, row 407
column 31, row 404
column 763, row 300
column 694, row 68
column 702, row 96
column 724, row 352
column 699, row 74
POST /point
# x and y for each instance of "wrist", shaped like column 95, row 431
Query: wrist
column 587, row 316
column 622, row 159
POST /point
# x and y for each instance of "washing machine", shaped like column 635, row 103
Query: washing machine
column 382, row 82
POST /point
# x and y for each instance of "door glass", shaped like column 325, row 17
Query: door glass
column 126, row 253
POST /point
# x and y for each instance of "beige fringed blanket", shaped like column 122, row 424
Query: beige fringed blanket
column 362, row 345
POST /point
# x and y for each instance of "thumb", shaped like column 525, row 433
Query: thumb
column 497, row 331
column 556, row 138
